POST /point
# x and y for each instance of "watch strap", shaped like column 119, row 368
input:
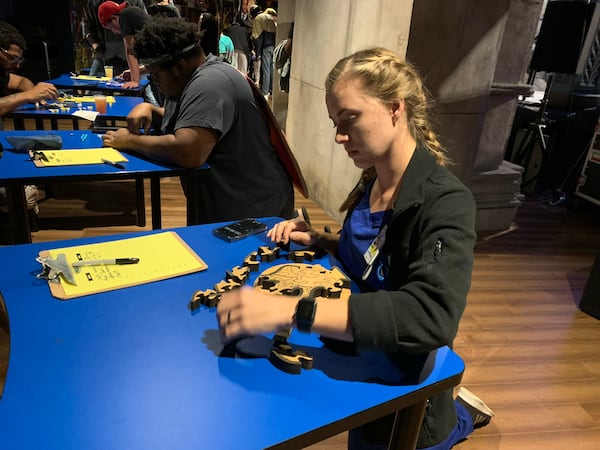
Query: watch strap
column 305, row 314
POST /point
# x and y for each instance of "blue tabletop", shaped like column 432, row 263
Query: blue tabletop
column 16, row 167
column 117, row 109
column 67, row 81
column 135, row 369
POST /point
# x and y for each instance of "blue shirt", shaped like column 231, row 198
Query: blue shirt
column 359, row 231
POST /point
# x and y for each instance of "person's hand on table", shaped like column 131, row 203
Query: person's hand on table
column 43, row 91
column 116, row 139
column 295, row 230
column 131, row 85
column 125, row 75
column 246, row 311
column 140, row 118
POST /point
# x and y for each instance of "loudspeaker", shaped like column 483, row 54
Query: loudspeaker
column 590, row 301
column 566, row 36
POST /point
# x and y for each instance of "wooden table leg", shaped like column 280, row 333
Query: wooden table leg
column 407, row 426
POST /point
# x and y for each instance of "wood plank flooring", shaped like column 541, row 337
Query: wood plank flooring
column 530, row 353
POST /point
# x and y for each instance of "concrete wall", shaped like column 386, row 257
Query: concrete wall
column 511, row 70
column 324, row 32
column 454, row 43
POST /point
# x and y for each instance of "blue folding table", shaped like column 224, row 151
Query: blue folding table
column 118, row 109
column 134, row 368
column 79, row 84
column 17, row 170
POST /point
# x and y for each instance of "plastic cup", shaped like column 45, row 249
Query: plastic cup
column 100, row 101
column 108, row 71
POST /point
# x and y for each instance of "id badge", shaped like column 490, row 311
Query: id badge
column 372, row 252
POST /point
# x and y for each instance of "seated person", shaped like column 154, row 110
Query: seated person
column 209, row 116
column 16, row 90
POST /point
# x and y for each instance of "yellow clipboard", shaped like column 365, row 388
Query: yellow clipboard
column 54, row 158
column 85, row 99
column 161, row 256
column 90, row 78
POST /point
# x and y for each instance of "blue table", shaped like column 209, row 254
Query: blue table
column 68, row 82
column 16, row 171
column 135, row 369
column 117, row 110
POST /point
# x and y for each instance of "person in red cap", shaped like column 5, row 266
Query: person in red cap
column 125, row 20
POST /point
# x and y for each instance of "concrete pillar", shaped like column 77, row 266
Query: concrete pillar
column 324, row 32
column 460, row 48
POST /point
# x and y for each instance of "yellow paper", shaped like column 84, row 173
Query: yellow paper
column 78, row 156
column 85, row 99
column 161, row 256
column 88, row 77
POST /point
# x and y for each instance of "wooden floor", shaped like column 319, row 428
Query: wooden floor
column 530, row 353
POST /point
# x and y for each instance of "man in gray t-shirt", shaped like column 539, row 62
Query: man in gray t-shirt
column 210, row 116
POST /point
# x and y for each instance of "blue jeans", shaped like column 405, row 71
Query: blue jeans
column 97, row 68
column 266, row 70
column 463, row 428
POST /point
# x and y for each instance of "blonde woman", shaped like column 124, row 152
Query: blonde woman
column 417, row 218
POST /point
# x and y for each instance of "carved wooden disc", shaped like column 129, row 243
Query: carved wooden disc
column 302, row 279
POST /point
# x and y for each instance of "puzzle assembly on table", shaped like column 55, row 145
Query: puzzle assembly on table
column 292, row 278
column 67, row 101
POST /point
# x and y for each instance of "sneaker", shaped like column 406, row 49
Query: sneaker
column 479, row 411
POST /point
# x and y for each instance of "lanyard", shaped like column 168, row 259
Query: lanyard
column 372, row 252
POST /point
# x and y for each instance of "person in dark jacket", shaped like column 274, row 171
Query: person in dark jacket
column 407, row 240
column 241, row 44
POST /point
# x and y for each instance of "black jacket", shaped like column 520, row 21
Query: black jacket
column 429, row 246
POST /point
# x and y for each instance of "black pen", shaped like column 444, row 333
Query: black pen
column 113, row 163
column 103, row 262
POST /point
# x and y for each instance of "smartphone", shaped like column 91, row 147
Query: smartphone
column 239, row 229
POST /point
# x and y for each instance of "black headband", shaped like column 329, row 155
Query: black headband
column 159, row 60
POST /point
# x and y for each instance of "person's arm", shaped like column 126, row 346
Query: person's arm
column 188, row 148
column 132, row 61
column 19, row 83
column 246, row 311
column 258, row 45
column 27, row 92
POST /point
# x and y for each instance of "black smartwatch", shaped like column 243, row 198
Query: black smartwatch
column 305, row 314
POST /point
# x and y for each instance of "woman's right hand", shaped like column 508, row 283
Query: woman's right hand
column 295, row 230
column 140, row 118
